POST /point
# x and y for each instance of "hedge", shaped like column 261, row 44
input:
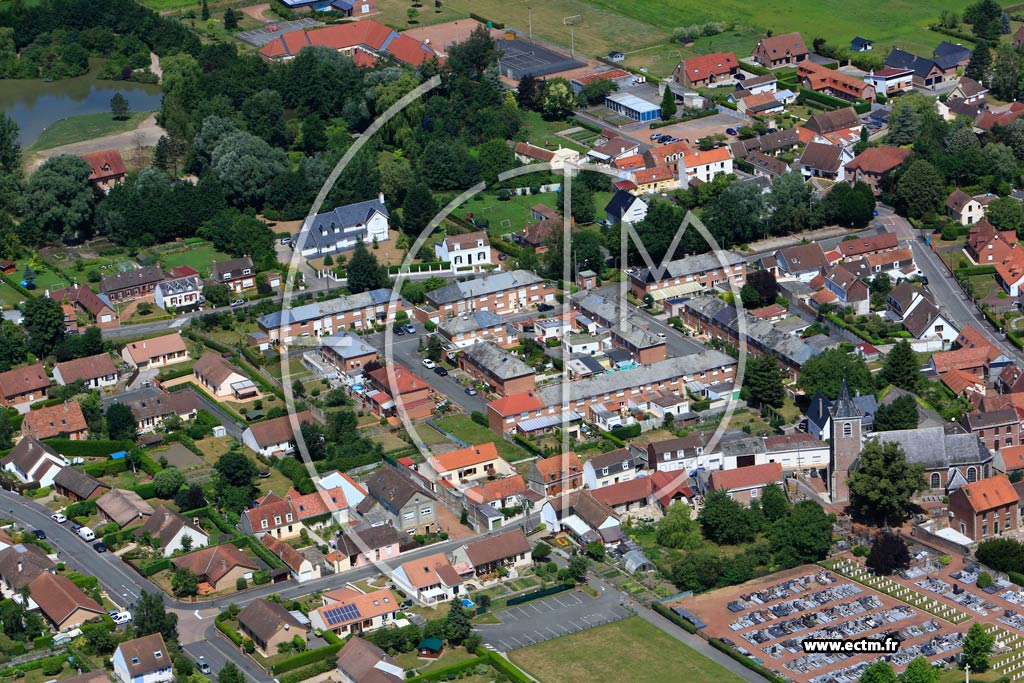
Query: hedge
column 586, row 125
column 148, row 465
column 83, row 508
column 16, row 286
column 32, row 666
column 1016, row 577
column 89, row 448
column 262, row 552
column 417, row 267
column 850, row 328
column 630, row 432
column 821, row 98
column 42, row 642
column 506, row 667
column 747, row 661
column 308, row 672
column 160, row 565
column 173, row 373
column 482, row 20
column 145, row 491
column 105, row 467
column 1015, row 339
column 232, row 634
column 681, row 119
column 306, row 658
column 666, row 612
column 976, row 270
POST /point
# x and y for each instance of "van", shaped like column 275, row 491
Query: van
column 86, row 533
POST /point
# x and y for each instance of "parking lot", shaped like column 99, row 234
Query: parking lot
column 558, row 615
column 259, row 37
column 699, row 128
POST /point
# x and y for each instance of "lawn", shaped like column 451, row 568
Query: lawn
column 394, row 13
column 544, row 133
column 199, row 256
column 661, row 59
column 512, row 215
column 10, row 297
column 450, row 657
column 46, row 276
column 648, row 654
column 464, row 428
column 86, row 127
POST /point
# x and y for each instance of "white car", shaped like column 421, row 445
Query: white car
column 58, row 517
column 661, row 335
column 122, row 618
column 429, row 364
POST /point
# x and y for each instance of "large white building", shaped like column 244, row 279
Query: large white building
column 470, row 250
column 340, row 229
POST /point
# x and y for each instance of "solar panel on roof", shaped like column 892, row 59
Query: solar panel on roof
column 342, row 614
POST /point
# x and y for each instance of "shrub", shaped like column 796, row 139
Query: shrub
column 860, row 550
column 241, row 584
column 984, row 580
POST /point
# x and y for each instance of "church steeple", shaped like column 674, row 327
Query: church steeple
column 845, row 442
column 844, row 407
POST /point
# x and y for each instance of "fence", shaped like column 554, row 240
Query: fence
column 537, row 594
column 550, row 187
column 448, row 435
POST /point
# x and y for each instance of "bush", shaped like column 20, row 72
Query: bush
column 984, row 580
column 479, row 418
column 860, row 550
column 260, row 577
column 306, row 658
column 241, row 584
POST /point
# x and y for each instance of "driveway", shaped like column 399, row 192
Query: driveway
column 558, row 615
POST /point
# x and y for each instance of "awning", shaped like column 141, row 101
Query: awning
column 548, row 421
column 677, row 291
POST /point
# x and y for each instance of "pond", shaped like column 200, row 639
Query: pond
column 35, row 104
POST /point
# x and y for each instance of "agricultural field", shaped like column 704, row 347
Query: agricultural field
column 650, row 655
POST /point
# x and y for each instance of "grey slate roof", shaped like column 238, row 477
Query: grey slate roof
column 844, row 407
column 933, row 448
column 317, row 310
column 497, row 361
column 329, row 228
column 948, row 56
column 616, row 457
column 620, row 201
column 472, row 322
column 482, row 286
column 347, row 345
column 691, row 265
column 637, row 377
column 900, row 59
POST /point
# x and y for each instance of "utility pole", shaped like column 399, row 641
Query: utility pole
column 572, row 40
column 529, row 11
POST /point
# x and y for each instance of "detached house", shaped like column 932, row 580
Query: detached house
column 95, row 372
column 967, row 209
column 123, row 507
column 106, row 169
column 22, row 386
column 349, row 611
column 65, row 420
column 583, row 516
column 775, row 51
column 821, row 160
column 801, row 262
column 465, row 465
column 467, row 250
column 76, row 485
column 269, row 624
column 509, row 550
column 64, row 604
column 429, row 580
column 360, row 661
column 340, row 229
column 170, row 529
column 395, row 500
column 31, row 461
column 221, row 378
column 20, row 565
column 835, row 83
column 556, row 475
column 274, row 437
column 157, row 352
column 218, row 565
column 746, row 483
column 874, row 164
column 926, row 73
column 143, row 660
column 710, row 70
column 891, row 81
column 984, row 509
column 238, row 274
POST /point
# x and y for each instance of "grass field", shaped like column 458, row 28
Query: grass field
column 10, row 297
column 649, row 655
column 86, row 127
column 515, row 210
column 200, row 257
column 393, row 12
column 661, row 59
column 544, row 133
column 464, row 428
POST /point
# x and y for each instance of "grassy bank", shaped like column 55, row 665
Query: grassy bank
column 86, row 127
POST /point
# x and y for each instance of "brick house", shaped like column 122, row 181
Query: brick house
column 65, row 420
column 783, row 50
column 502, row 293
column 156, row 352
column 702, row 71
column 874, row 164
column 269, row 624
column 106, row 169
column 556, row 475
column 131, row 284
column 997, row 428
column 469, row 328
column 689, row 275
column 985, row 508
column 324, row 318
column 502, row 372
column 84, row 299
column 405, row 392
column 346, row 351
column 238, row 274
column 24, row 385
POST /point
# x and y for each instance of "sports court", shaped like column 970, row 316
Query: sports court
column 520, row 58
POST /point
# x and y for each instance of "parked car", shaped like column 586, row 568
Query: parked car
column 409, row 328
column 399, row 331
column 86, row 533
column 544, row 308
column 286, row 241
column 39, row 533
column 730, row 131
column 59, row 517
column 661, row 335
column 471, row 391
column 429, row 364
column 502, row 256
column 203, row 666
column 122, row 617
column 440, row 371
column 99, row 547
column 238, row 302
column 114, row 612
column 75, row 527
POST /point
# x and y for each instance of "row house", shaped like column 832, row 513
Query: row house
column 997, row 429
column 772, row 144
column 131, row 284
column 556, row 475
column 461, row 331
column 898, row 264
column 848, row 289
column 320, row 319
column 584, row 517
column 501, row 293
column 85, row 300
column 986, row 245
column 689, row 164
column 852, row 250
column 925, row 72
column 609, row 468
column 364, row 41
column 347, row 352
column 835, row 121
column 801, row 262
column 688, row 453
column 688, row 276
column 501, row 371
column 393, row 390
column 395, row 500
column 364, row 545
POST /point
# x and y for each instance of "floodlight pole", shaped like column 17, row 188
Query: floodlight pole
column 572, row 40
column 529, row 11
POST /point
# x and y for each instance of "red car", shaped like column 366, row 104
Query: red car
column 272, row 27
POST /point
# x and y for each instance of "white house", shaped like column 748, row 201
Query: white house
column 143, row 660
column 273, row 437
column 625, row 207
column 429, row 580
column 470, row 250
column 31, row 461
column 340, row 229
column 609, row 468
column 170, row 529
column 179, row 292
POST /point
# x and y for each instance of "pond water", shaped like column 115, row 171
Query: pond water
column 35, row 105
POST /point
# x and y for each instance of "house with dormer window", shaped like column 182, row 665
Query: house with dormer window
column 609, row 468
column 341, row 228
column 143, row 660
column 556, row 475
column 238, row 274
column 470, row 250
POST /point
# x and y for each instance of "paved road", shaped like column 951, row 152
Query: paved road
column 558, row 615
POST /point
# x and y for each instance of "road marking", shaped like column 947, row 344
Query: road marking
column 549, row 629
column 537, row 609
column 508, row 613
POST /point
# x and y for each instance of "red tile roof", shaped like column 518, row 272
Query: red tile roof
column 746, row 477
column 45, row 423
column 638, row 489
column 23, row 380
column 990, row 494
column 701, row 67
column 516, row 403
column 823, row 78
column 464, row 457
column 878, row 160
column 497, row 490
column 106, row 163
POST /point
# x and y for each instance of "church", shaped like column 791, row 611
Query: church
column 950, row 460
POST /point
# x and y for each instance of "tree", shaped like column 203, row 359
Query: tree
column 904, row 122
column 418, row 209
column 668, row 104
column 750, row 297
column 826, row 371
column 184, row 583
column 578, row 566
column 1001, row 554
column 205, row 12
column 774, row 504
column 557, row 99
column 527, row 91
column 977, row 647
column 12, row 345
column 889, row 553
column 44, row 322
column 1006, row 213
column 541, row 552
column 152, row 617
column 804, row 535
column 725, row 521
column 230, row 673
column 191, row 498
column 678, row 529
column 901, row 368
column 187, row 543
column 234, row 469
column 790, row 204
column 412, row 13
column 981, row 62
column 1006, row 73
column 984, row 18
column 168, row 482
column 849, row 206
column 364, row 273
column 119, row 107
column 457, row 626
column 920, row 189
column 736, row 216
column 58, row 201
column 920, row 671
column 230, row 19
column 582, row 203
column 763, row 381
column 595, row 551
column 884, row 482
column 217, row 294
column 121, row 422
column 900, row 414
column 595, row 92
column 765, row 284
column 245, row 165
column 879, row 672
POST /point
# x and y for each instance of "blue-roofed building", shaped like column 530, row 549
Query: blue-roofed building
column 632, row 107
column 342, row 228
column 350, row 8
column 949, row 57
column 859, row 44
